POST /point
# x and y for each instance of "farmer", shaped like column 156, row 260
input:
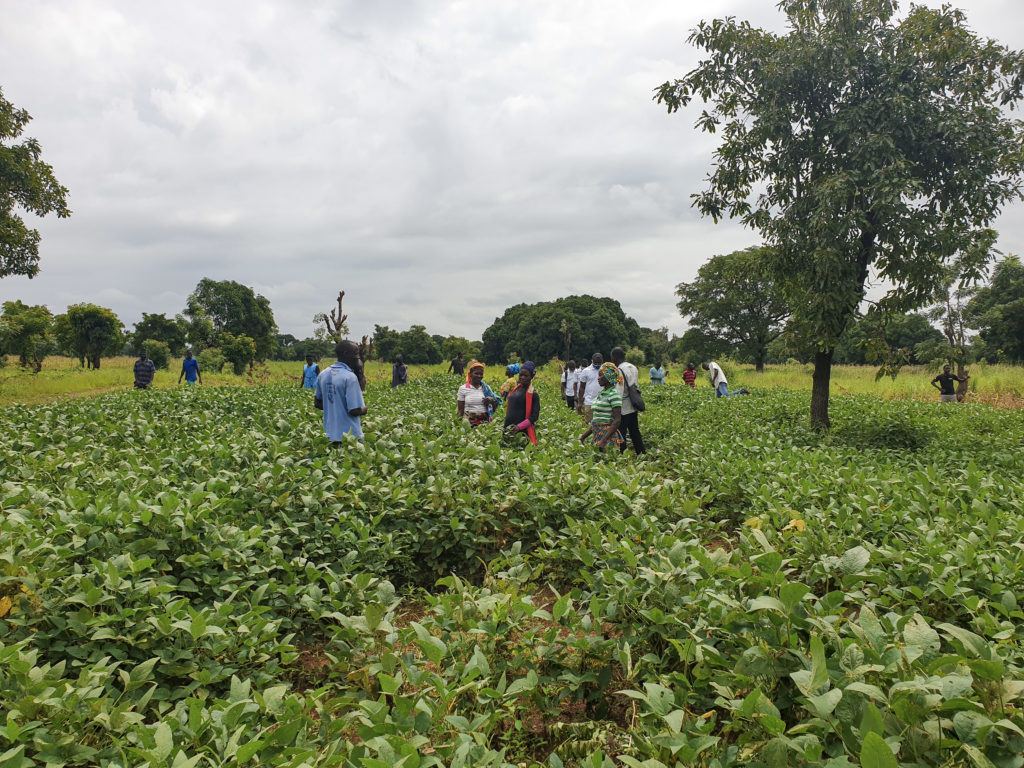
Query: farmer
column 657, row 374
column 569, row 384
column 457, row 365
column 190, row 369
column 587, row 386
column 339, row 394
column 310, row 372
column 144, row 371
column 511, row 380
column 399, row 372
column 718, row 380
column 630, row 417
column 476, row 400
column 523, row 407
column 690, row 375
column 946, row 383
column 606, row 409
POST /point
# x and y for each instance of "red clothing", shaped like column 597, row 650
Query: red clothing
column 690, row 377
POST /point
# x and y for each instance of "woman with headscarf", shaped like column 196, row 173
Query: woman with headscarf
column 523, row 406
column 511, row 380
column 399, row 372
column 607, row 409
column 476, row 400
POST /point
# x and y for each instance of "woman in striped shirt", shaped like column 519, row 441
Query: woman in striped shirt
column 607, row 409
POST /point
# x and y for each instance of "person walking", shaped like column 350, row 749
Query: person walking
column 190, row 369
column 523, row 407
column 657, row 374
column 588, row 387
column 690, row 375
column 946, row 383
column 310, row 372
column 399, row 372
column 606, row 409
column 718, row 380
column 144, row 371
column 339, row 394
column 457, row 365
column 629, row 417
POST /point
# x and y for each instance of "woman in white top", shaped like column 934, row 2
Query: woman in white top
column 475, row 398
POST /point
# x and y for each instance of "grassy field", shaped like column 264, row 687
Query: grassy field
column 1001, row 385
column 193, row 576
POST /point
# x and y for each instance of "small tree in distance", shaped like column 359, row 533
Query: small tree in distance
column 856, row 142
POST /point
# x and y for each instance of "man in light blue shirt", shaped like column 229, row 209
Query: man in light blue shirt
column 339, row 394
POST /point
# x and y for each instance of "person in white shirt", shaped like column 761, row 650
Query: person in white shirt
column 630, row 418
column 587, row 386
column 718, row 380
column 569, row 384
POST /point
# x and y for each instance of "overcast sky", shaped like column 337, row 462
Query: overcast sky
column 439, row 161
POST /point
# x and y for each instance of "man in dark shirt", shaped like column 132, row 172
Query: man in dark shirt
column 946, row 383
column 144, row 370
column 457, row 365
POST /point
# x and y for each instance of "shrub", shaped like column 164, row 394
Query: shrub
column 158, row 352
column 211, row 359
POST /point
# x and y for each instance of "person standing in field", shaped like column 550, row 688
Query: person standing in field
column 569, row 384
column 310, row 373
column 144, row 371
column 690, row 375
column 339, row 394
column 511, row 380
column 629, row 417
column 457, row 365
column 946, row 383
column 399, row 372
column 190, row 369
column 606, row 409
column 588, row 387
column 718, row 380
column 523, row 407
column 476, row 401
column 658, row 374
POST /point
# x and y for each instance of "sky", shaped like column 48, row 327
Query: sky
column 438, row 161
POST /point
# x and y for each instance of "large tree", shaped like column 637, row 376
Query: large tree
column 24, row 330
column 997, row 311
column 536, row 331
column 857, row 142
column 235, row 309
column 26, row 183
column 89, row 332
column 737, row 298
column 160, row 328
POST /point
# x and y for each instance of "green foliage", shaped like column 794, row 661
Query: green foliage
column 695, row 346
column 25, row 332
column 875, row 142
column 211, row 359
column 636, row 356
column 26, row 182
column 536, row 332
column 240, row 351
column 997, row 310
column 157, row 351
column 89, row 332
column 195, row 575
column 161, row 328
column 235, row 309
column 415, row 345
column 735, row 298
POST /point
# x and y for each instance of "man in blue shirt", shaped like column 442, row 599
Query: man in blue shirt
column 190, row 369
column 339, row 394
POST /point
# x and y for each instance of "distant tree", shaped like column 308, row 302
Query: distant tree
column 199, row 331
column 876, row 330
column 655, row 344
column 386, row 341
column 26, row 182
column 997, row 311
column 240, row 351
column 536, row 331
column 24, row 331
column 157, row 351
column 696, row 346
column 453, row 345
column 285, row 349
column 736, row 298
column 89, row 332
column 416, row 346
column 857, row 141
column 235, row 309
column 159, row 328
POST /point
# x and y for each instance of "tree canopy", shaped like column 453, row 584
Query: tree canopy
column 24, row 330
column 997, row 310
column 736, row 298
column 235, row 309
column 89, row 332
column 536, row 331
column 857, row 143
column 26, row 182
column 160, row 328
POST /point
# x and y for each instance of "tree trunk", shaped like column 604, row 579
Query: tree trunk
column 961, row 387
column 819, row 389
column 96, row 362
column 759, row 363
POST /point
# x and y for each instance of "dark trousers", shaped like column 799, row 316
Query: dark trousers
column 631, row 423
column 571, row 402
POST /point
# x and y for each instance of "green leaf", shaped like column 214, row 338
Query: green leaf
column 164, row 741
column 875, row 753
column 791, row 593
column 854, row 561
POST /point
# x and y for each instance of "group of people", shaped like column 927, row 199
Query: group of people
column 144, row 370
